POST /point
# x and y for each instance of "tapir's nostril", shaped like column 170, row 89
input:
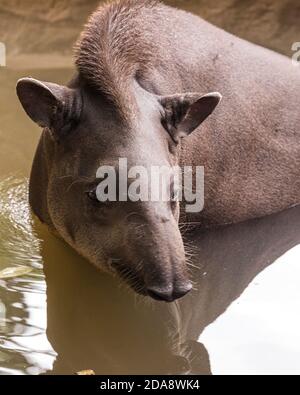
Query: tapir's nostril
column 169, row 294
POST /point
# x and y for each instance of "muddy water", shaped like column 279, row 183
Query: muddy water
column 65, row 316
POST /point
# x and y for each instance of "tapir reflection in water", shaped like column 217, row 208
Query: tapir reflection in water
column 95, row 324
column 145, row 88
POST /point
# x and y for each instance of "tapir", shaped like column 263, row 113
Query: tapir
column 147, row 87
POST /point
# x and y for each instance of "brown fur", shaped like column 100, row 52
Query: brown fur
column 113, row 48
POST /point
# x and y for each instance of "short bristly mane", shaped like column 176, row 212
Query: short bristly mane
column 114, row 47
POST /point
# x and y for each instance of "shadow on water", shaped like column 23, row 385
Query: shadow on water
column 93, row 323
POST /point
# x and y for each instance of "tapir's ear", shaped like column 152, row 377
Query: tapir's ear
column 50, row 105
column 184, row 113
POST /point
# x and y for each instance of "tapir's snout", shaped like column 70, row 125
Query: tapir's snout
column 170, row 293
column 159, row 248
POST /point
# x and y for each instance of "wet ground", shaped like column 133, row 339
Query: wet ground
column 60, row 315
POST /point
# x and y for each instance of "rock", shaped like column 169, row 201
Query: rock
column 88, row 372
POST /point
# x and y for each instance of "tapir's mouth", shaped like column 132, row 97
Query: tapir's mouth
column 134, row 279
column 131, row 277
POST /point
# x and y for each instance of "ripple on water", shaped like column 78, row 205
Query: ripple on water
column 22, row 299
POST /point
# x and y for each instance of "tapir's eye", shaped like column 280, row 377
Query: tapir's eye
column 92, row 195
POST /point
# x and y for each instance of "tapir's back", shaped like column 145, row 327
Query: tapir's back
column 168, row 50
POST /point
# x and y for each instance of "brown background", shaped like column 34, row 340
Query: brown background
column 39, row 28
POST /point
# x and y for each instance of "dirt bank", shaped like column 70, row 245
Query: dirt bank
column 33, row 30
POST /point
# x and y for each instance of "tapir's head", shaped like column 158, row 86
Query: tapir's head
column 84, row 130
